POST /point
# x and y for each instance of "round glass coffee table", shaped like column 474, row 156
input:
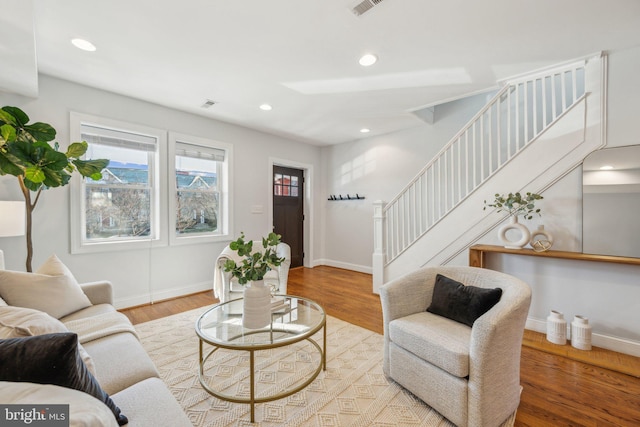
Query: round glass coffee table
column 221, row 327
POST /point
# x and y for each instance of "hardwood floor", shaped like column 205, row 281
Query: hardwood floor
column 557, row 391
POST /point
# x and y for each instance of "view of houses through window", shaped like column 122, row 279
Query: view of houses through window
column 126, row 203
column 197, row 193
column 122, row 203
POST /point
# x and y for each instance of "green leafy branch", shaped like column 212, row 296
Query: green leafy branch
column 515, row 204
column 254, row 265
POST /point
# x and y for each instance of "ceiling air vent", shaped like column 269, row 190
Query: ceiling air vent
column 364, row 6
column 208, row 103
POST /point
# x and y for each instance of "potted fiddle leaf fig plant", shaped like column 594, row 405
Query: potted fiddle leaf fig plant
column 26, row 153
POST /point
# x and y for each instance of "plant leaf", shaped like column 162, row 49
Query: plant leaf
column 77, row 149
column 16, row 116
column 34, row 174
column 40, row 131
column 8, row 133
column 90, row 167
column 55, row 160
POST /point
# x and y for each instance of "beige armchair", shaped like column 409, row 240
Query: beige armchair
column 226, row 288
column 471, row 375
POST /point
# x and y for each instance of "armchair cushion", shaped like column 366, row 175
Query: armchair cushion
column 443, row 342
column 461, row 303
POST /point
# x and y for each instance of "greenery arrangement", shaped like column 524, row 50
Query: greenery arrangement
column 25, row 153
column 254, row 265
column 515, row 204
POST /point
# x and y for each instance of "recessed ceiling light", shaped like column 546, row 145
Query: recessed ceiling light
column 365, row 130
column 368, row 59
column 606, row 168
column 84, row 45
column 266, row 107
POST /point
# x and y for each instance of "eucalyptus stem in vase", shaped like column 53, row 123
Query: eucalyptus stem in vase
column 515, row 204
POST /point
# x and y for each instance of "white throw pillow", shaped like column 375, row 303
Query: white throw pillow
column 55, row 292
column 17, row 322
column 54, row 267
column 84, row 409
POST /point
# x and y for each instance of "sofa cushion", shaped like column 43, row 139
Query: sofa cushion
column 151, row 402
column 464, row 304
column 120, row 361
column 16, row 322
column 3, row 303
column 56, row 294
column 87, row 312
column 51, row 359
column 84, row 409
column 443, row 342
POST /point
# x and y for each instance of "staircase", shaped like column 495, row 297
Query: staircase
column 532, row 132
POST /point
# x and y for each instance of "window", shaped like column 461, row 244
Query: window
column 143, row 198
column 123, row 207
column 285, row 185
column 200, row 182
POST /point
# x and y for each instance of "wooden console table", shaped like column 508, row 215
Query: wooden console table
column 477, row 255
column 601, row 357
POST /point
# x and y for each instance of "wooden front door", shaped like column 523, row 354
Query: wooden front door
column 288, row 217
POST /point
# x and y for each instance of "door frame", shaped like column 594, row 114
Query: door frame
column 307, row 208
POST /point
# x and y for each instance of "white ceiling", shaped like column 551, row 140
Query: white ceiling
column 301, row 56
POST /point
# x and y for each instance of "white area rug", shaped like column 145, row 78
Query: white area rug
column 353, row 391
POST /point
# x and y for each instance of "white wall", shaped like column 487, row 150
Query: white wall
column 378, row 168
column 164, row 271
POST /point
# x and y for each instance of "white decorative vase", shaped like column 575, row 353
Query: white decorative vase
column 256, row 305
column 541, row 239
column 581, row 333
column 513, row 224
column 556, row 328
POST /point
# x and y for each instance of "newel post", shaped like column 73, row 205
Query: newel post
column 379, row 254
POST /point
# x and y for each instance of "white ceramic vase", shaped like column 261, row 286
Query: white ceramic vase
column 513, row 224
column 581, row 333
column 256, row 305
column 556, row 328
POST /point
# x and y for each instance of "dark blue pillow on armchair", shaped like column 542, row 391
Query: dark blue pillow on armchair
column 461, row 303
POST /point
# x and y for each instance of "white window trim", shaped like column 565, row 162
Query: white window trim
column 77, row 211
column 226, row 196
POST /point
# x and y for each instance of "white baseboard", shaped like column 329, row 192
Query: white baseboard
column 619, row 345
column 345, row 265
column 154, row 296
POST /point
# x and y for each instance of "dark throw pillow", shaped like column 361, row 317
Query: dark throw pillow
column 461, row 303
column 51, row 359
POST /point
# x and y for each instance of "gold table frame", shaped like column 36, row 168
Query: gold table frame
column 289, row 337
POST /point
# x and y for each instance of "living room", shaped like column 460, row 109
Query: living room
column 337, row 234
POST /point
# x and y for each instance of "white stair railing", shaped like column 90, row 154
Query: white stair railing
column 516, row 116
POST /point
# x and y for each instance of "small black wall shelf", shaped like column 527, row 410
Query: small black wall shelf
column 339, row 197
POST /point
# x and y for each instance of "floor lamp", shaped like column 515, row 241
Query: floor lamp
column 12, row 222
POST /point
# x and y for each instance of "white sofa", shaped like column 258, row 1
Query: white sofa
column 112, row 351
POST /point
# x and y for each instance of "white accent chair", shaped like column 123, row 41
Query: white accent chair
column 226, row 288
column 471, row 375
